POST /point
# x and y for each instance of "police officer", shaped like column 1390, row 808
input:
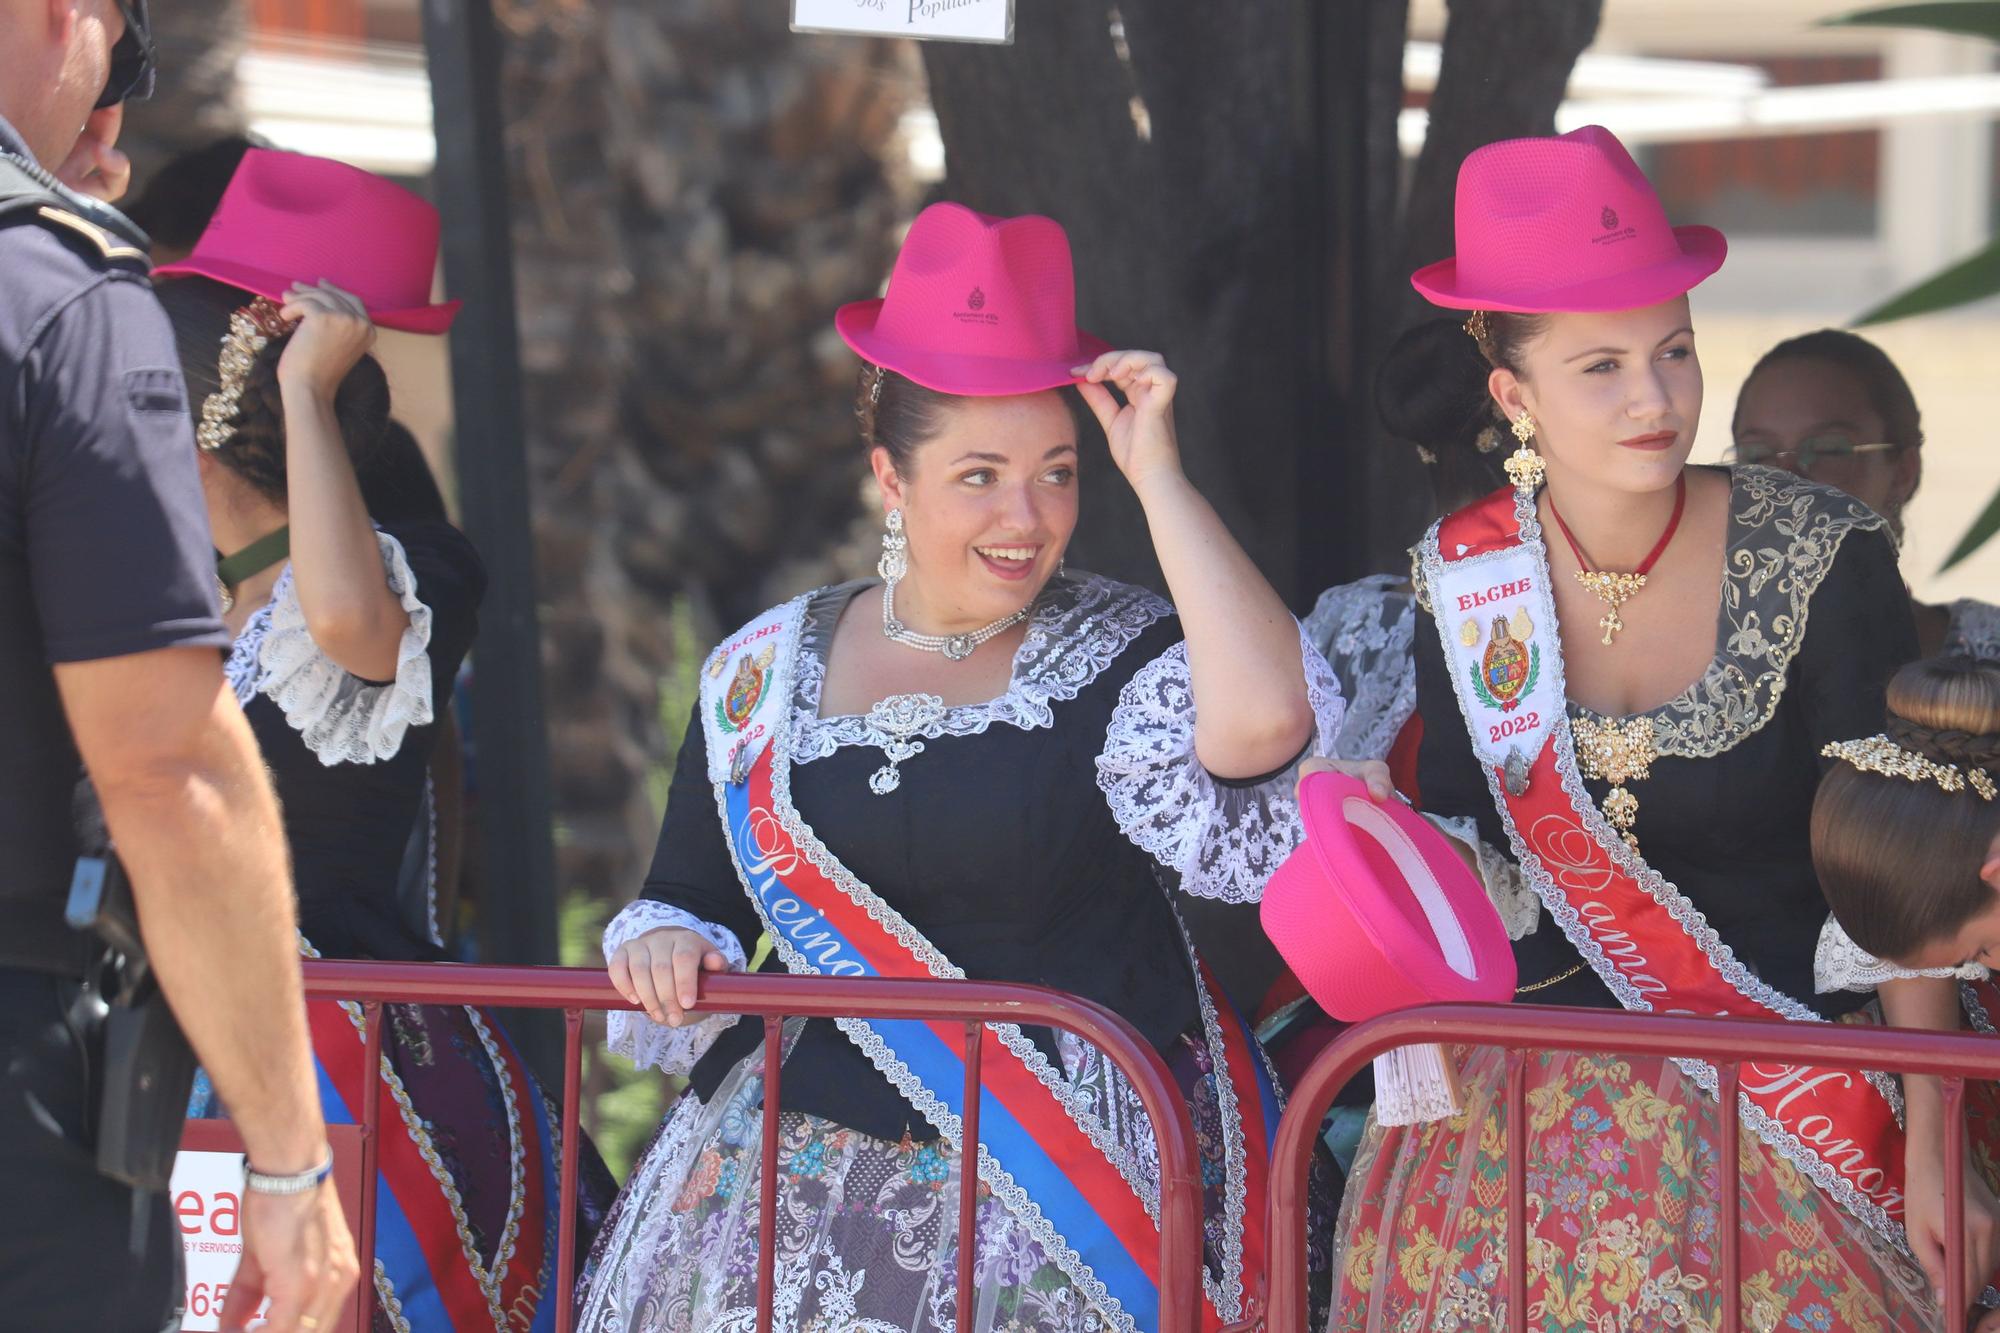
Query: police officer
column 110, row 632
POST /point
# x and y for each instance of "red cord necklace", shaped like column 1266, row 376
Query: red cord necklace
column 1613, row 588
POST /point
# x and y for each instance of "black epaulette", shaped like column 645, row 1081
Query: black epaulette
column 100, row 233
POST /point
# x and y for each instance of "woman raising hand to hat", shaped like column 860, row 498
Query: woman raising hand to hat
column 349, row 627
column 978, row 765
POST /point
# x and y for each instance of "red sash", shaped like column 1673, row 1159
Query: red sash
column 1649, row 945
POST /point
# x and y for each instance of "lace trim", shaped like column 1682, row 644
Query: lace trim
column 1766, row 598
column 1224, row 842
column 1974, row 629
column 1367, row 632
column 1079, row 628
column 628, row 1032
column 1840, row 964
column 1520, row 910
column 1690, row 918
column 341, row 718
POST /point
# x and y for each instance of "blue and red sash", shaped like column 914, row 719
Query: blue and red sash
column 1036, row 1154
column 427, row 1273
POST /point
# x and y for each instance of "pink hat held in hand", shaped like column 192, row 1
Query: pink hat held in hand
column 1565, row 223
column 977, row 306
column 289, row 218
column 1375, row 912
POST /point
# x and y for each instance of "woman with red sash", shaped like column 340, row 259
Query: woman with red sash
column 982, row 764
column 349, row 625
column 1626, row 670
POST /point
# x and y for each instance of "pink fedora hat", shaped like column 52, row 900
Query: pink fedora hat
column 288, row 218
column 1376, row 912
column 977, row 305
column 1564, row 223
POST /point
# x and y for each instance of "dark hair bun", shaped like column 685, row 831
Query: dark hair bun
column 1431, row 388
column 199, row 310
column 1947, row 709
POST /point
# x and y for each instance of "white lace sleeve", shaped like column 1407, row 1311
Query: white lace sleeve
column 1223, row 840
column 638, row 1038
column 1841, row 964
column 342, row 718
column 1367, row 630
column 1519, row 909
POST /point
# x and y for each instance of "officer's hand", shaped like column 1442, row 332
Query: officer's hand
column 334, row 332
column 298, row 1251
column 94, row 166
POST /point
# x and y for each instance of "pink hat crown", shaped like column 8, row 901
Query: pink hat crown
column 289, row 217
column 1564, row 223
column 976, row 305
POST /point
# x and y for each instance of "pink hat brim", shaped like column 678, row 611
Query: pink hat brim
column 1342, row 911
column 264, row 282
column 967, row 376
column 1702, row 251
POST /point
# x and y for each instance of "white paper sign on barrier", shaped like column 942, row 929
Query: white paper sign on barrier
column 206, row 1194
column 934, row 20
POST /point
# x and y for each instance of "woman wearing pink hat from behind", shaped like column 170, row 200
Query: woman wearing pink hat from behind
column 979, row 764
column 349, row 626
column 1626, row 668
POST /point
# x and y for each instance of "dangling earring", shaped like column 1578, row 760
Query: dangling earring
column 1524, row 466
column 894, row 563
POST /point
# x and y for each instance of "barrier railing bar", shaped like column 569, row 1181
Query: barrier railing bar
column 1517, row 1190
column 1954, row 1204
column 1522, row 1027
column 775, row 997
column 571, row 1129
column 767, row 1171
column 968, row 1177
column 1729, row 1214
column 371, row 1142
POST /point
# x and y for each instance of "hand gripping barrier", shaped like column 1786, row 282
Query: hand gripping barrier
column 1520, row 1029
column 773, row 999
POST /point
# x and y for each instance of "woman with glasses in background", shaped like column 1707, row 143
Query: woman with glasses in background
column 1832, row 406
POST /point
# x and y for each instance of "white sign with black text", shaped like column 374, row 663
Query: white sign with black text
column 934, row 20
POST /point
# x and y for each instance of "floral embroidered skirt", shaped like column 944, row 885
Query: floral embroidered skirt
column 1623, row 1185
column 867, row 1232
column 466, row 1220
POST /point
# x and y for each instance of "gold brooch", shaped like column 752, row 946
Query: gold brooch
column 1879, row 754
column 1617, row 753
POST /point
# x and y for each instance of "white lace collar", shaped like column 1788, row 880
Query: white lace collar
column 1082, row 622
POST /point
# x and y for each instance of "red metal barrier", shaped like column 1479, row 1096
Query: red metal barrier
column 1520, row 1028
column 775, row 998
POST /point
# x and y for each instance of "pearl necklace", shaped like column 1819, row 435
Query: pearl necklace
column 955, row 647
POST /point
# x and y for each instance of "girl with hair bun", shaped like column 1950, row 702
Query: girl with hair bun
column 1906, row 840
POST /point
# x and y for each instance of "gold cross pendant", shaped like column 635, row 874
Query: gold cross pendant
column 1614, row 590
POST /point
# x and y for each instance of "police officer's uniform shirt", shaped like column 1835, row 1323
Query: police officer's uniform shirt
column 104, row 544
